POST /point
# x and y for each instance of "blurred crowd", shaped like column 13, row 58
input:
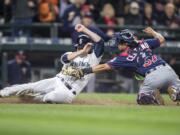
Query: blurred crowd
column 91, row 12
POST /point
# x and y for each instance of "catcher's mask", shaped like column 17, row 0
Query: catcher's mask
column 124, row 36
column 82, row 40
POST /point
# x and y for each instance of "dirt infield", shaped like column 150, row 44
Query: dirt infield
column 17, row 100
column 78, row 101
column 22, row 100
column 102, row 102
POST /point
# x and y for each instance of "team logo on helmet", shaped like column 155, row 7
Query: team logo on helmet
column 82, row 40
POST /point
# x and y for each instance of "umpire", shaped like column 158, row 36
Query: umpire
column 19, row 69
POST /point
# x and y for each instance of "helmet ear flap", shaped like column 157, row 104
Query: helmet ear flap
column 128, row 38
column 134, row 44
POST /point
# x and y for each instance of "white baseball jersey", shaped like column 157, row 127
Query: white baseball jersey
column 79, row 62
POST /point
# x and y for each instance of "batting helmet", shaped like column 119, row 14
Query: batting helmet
column 124, row 36
column 82, row 40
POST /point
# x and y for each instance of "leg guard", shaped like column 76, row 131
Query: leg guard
column 174, row 94
column 146, row 99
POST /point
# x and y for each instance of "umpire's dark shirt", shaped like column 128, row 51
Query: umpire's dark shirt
column 18, row 73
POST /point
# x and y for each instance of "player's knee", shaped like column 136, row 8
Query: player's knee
column 58, row 98
column 48, row 98
column 146, row 99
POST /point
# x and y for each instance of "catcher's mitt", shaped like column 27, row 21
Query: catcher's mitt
column 72, row 71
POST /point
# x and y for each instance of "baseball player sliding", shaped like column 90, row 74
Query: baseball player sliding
column 63, row 88
column 138, row 57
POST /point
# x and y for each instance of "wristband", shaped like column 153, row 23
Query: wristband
column 87, row 70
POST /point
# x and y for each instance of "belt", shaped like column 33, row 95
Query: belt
column 155, row 68
column 67, row 85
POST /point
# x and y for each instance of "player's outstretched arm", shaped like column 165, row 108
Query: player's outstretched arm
column 96, row 69
column 101, row 68
column 82, row 28
column 78, row 73
column 155, row 34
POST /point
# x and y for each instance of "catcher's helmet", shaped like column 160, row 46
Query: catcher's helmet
column 124, row 36
column 82, row 40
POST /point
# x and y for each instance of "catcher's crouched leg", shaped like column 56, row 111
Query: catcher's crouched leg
column 150, row 98
column 59, row 97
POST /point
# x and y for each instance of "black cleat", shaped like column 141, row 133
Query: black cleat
column 177, row 96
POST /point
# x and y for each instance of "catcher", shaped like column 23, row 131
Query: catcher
column 138, row 57
column 63, row 88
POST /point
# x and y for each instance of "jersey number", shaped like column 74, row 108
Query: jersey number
column 149, row 62
column 132, row 57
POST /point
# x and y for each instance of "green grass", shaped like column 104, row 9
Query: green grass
column 56, row 119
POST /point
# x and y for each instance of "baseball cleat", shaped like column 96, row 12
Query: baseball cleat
column 4, row 92
column 178, row 96
column 174, row 94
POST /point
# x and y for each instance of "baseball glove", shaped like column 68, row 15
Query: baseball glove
column 72, row 71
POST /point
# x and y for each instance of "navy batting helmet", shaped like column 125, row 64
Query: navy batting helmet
column 82, row 40
column 125, row 36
